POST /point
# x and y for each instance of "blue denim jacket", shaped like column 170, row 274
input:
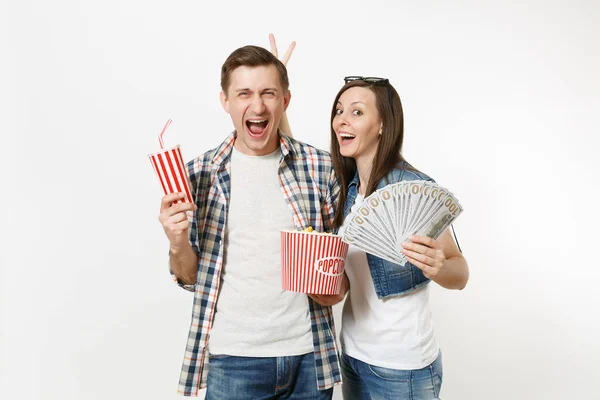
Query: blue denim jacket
column 390, row 279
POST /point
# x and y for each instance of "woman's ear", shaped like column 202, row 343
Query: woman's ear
column 380, row 128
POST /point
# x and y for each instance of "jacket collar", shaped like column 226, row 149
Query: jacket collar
column 355, row 181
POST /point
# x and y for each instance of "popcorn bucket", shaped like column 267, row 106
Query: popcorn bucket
column 172, row 174
column 312, row 262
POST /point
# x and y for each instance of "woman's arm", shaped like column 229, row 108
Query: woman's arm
column 440, row 260
column 284, row 125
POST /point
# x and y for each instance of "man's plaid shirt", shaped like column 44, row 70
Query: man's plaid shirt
column 310, row 189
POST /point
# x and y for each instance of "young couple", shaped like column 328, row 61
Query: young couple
column 248, row 338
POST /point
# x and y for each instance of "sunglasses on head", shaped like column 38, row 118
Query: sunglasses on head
column 368, row 79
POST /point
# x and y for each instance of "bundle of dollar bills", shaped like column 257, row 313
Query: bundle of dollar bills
column 390, row 215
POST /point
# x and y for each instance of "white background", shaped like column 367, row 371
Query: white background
column 501, row 105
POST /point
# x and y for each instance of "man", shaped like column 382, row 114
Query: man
column 260, row 341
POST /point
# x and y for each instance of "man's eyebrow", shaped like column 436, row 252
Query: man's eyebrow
column 273, row 89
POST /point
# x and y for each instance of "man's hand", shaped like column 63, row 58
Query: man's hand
column 174, row 220
column 332, row 299
column 288, row 53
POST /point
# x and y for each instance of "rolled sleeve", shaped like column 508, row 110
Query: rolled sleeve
column 186, row 286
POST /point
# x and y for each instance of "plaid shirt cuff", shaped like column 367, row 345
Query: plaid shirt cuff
column 186, row 286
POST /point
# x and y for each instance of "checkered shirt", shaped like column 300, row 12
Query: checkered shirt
column 310, row 188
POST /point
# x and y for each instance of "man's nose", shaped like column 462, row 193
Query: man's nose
column 258, row 105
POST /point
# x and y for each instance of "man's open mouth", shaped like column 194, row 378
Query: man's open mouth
column 257, row 126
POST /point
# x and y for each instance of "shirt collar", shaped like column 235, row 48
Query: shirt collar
column 223, row 152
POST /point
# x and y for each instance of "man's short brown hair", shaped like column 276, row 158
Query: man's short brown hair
column 252, row 56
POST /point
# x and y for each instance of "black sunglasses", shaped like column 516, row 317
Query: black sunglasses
column 368, row 79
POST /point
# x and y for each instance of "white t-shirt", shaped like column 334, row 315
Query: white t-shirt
column 396, row 332
column 254, row 316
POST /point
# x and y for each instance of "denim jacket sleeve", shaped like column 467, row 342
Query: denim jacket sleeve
column 391, row 279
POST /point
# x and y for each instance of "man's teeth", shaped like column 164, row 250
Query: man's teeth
column 257, row 121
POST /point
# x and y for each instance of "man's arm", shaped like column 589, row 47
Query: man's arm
column 184, row 264
column 183, row 260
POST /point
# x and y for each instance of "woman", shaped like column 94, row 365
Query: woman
column 388, row 344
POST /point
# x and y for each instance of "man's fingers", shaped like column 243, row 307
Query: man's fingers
column 169, row 199
column 177, row 218
column 178, row 208
column 178, row 228
column 174, row 213
column 288, row 53
column 273, row 44
column 316, row 298
column 326, row 299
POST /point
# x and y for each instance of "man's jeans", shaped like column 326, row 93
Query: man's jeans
column 363, row 381
column 257, row 378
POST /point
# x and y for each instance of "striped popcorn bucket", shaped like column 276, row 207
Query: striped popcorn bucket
column 172, row 174
column 312, row 262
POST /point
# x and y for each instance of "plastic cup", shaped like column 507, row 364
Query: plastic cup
column 171, row 172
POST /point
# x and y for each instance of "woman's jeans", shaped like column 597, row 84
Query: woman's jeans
column 363, row 381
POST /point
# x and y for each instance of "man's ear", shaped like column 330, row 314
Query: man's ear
column 224, row 102
column 286, row 99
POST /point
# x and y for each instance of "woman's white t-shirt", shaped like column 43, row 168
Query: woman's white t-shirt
column 396, row 332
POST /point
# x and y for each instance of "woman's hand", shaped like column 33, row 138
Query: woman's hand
column 288, row 53
column 425, row 253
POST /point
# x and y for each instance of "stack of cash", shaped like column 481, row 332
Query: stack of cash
column 390, row 215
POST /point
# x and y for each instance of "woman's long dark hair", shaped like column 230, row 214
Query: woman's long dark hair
column 388, row 155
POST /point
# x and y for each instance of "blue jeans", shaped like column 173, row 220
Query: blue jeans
column 363, row 381
column 257, row 378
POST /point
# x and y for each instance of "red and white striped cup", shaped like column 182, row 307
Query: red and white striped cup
column 312, row 262
column 172, row 174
